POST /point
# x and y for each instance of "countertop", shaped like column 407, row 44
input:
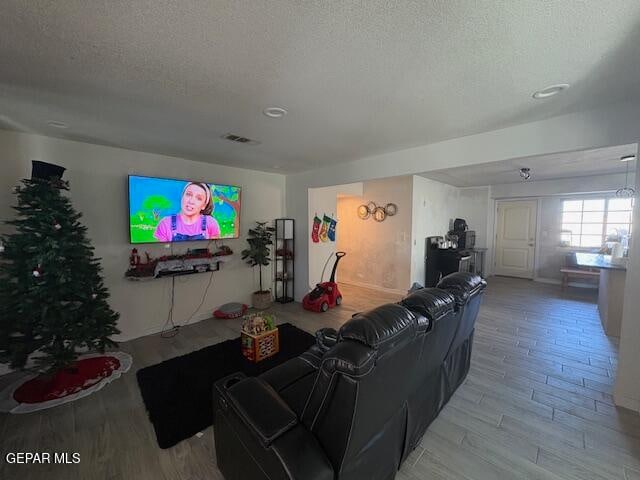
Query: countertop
column 598, row 260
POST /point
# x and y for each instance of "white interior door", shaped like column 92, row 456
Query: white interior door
column 516, row 238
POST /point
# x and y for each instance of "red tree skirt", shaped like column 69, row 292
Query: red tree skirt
column 81, row 375
column 85, row 376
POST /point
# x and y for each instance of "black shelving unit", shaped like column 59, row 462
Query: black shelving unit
column 284, row 259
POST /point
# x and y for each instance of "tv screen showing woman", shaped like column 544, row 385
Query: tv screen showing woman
column 165, row 210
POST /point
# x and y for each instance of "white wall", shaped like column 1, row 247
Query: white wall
column 321, row 201
column 627, row 387
column 378, row 253
column 473, row 206
column 435, row 205
column 550, row 255
column 98, row 177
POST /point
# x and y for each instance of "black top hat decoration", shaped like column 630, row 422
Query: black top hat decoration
column 46, row 171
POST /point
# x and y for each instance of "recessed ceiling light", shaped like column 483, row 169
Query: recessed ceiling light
column 275, row 112
column 628, row 158
column 57, row 124
column 550, row 91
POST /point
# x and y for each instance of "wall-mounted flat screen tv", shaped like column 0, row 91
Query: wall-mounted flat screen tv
column 163, row 210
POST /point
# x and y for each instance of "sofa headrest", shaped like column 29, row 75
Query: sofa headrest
column 349, row 358
column 432, row 303
column 462, row 285
column 381, row 328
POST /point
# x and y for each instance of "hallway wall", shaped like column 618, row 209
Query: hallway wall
column 378, row 253
column 323, row 201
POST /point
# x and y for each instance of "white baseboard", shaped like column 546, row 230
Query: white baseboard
column 555, row 281
column 374, row 287
column 158, row 329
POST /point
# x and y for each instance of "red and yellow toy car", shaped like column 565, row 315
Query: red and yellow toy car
column 326, row 295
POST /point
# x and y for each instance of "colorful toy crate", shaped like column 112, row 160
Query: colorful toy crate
column 263, row 345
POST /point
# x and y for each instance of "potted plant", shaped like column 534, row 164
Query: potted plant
column 258, row 254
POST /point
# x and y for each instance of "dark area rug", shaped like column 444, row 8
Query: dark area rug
column 178, row 392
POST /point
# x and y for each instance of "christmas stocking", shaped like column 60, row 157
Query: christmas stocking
column 324, row 229
column 315, row 228
column 332, row 230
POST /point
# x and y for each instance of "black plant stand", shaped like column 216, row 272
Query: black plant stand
column 285, row 259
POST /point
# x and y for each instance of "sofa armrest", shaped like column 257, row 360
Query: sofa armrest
column 260, row 408
column 303, row 456
column 326, row 338
column 258, row 437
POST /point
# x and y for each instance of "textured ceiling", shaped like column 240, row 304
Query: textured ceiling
column 358, row 78
column 599, row 161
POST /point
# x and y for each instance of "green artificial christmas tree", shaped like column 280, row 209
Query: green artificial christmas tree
column 53, row 302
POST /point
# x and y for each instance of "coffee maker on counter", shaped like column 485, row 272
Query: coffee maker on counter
column 464, row 238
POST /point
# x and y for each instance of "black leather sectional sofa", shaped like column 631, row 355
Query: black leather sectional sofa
column 358, row 402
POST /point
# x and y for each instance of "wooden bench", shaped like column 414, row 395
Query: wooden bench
column 568, row 272
column 571, row 269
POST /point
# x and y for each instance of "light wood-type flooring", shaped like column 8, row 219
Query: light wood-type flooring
column 537, row 402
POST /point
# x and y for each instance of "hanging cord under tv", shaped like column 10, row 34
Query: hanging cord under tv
column 204, row 296
column 206, row 290
column 174, row 329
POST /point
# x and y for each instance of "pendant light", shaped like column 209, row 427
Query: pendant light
column 627, row 191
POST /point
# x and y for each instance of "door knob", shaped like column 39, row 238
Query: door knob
column 532, row 244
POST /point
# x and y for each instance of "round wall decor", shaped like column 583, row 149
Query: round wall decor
column 379, row 214
column 390, row 209
column 363, row 212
